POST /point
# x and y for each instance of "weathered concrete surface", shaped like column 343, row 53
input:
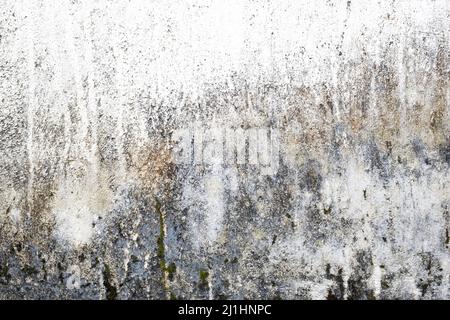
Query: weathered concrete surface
column 118, row 175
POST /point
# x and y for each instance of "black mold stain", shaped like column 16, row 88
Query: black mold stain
column 111, row 290
column 433, row 277
column 357, row 284
column 337, row 291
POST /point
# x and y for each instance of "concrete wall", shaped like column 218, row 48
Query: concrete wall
column 224, row 149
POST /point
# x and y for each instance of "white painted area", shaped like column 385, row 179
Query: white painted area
column 73, row 281
column 15, row 215
column 215, row 208
column 78, row 209
column 185, row 45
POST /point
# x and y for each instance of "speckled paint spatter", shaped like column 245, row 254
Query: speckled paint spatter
column 224, row 149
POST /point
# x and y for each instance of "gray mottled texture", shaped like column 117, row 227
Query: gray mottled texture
column 116, row 175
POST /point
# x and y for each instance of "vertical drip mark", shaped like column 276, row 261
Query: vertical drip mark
column 59, row 65
column 334, row 93
column 122, row 98
column 405, row 217
column 402, row 84
column 210, row 285
column 91, row 98
column 32, row 102
column 17, row 45
column 139, row 118
column 74, row 65
column 373, row 94
column 214, row 198
column 160, row 242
